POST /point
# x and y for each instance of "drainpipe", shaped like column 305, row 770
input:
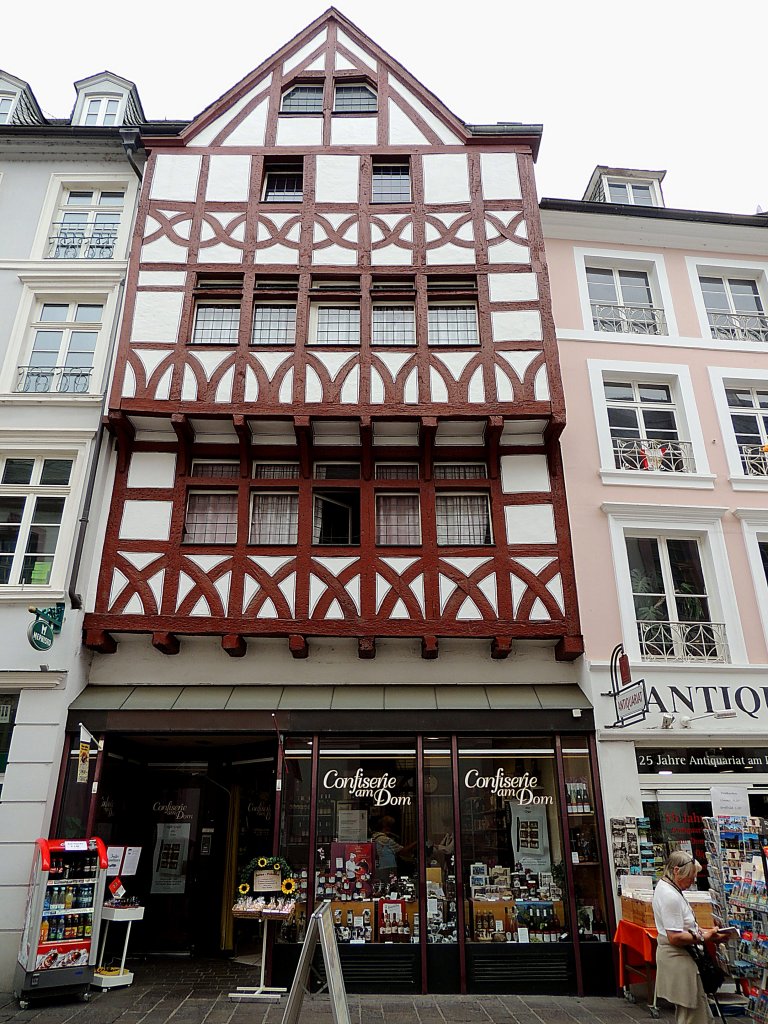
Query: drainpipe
column 131, row 139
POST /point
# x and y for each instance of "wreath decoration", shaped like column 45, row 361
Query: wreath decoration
column 289, row 886
column 277, row 864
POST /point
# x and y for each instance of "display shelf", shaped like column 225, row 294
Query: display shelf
column 124, row 977
column 108, row 914
column 122, row 913
column 66, row 913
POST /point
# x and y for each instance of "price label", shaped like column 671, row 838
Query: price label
column 71, row 845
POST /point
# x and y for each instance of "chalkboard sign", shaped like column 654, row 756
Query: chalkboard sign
column 320, row 927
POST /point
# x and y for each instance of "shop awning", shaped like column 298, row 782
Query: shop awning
column 245, row 708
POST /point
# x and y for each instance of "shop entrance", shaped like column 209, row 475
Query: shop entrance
column 199, row 808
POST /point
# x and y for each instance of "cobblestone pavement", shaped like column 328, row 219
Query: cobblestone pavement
column 196, row 992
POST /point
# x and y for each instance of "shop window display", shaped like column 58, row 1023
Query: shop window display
column 295, row 830
column 441, row 921
column 584, row 844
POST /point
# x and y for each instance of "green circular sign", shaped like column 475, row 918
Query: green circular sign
column 40, row 635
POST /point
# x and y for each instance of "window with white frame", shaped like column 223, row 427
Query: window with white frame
column 453, row 325
column 101, row 110
column 274, row 518
column 354, row 98
column 9, row 703
column 390, row 181
column 284, row 182
column 274, row 325
column 463, row 519
column 631, row 193
column 276, row 471
column 762, row 546
column 398, row 519
column 61, row 353
column 670, row 596
column 460, row 471
column 303, row 99
column 211, row 517
column 211, row 470
column 644, row 432
column 7, row 102
column 748, row 408
column 336, row 517
column 622, row 301
column 734, row 308
column 216, row 324
column 335, row 325
column 397, row 471
column 86, row 223
column 393, row 325
column 33, row 495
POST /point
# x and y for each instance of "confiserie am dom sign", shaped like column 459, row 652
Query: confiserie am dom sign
column 378, row 788
column 519, row 788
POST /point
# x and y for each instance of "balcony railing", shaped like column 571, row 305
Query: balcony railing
column 651, row 454
column 628, row 319
column 84, row 242
column 73, row 380
column 739, row 326
column 754, row 459
column 683, row 641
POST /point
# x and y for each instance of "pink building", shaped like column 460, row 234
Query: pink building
column 663, row 339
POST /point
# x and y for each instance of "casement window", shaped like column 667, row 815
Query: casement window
column 644, row 430
column 393, row 325
column 354, row 98
column 284, row 182
column 463, row 519
column 9, row 703
column 391, row 181
column 672, row 606
column 211, row 517
column 7, row 102
column 63, row 344
column 274, row 325
column 303, row 99
column 335, row 325
column 460, row 471
column 101, row 110
column 398, row 519
column 631, row 193
column 216, row 324
column 336, row 517
column 622, row 301
column 735, row 308
column 453, row 325
column 86, row 224
column 397, row 471
column 33, row 494
column 274, row 518
column 210, row 470
column 276, row 471
column 748, row 408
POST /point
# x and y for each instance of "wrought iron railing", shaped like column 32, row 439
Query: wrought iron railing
column 82, row 242
column 739, row 326
column 683, row 641
column 73, row 380
column 651, row 454
column 628, row 319
column 754, row 459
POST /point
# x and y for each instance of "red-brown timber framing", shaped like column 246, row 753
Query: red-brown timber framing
column 421, row 228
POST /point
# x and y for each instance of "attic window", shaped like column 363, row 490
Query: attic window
column 632, row 193
column 354, row 99
column 303, row 99
column 7, row 101
column 101, row 110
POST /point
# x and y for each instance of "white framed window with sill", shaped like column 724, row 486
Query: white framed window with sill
column 741, row 401
column 216, row 324
column 86, row 218
column 334, row 324
column 624, row 295
column 632, row 191
column 731, row 300
column 7, row 106
column 211, row 517
column 103, row 110
column 754, row 525
column 675, row 591
column 463, row 520
column 393, row 324
column 647, row 423
column 452, row 324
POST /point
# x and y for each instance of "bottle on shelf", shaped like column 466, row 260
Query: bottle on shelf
column 47, row 900
column 44, row 929
column 88, row 926
column 69, row 897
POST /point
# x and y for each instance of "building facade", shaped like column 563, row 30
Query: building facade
column 335, row 609
column 68, row 191
column 663, row 339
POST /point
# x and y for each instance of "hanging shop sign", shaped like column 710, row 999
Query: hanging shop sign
column 47, row 623
column 629, row 698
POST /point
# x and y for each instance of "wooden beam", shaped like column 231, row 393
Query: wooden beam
column 100, row 640
column 569, row 648
column 234, row 644
column 186, row 435
column 366, row 647
column 243, row 432
column 298, row 645
column 493, row 431
column 501, row 646
column 429, row 648
column 303, row 429
column 123, row 431
column 427, row 443
column 166, row 643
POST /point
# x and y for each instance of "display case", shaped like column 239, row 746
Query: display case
column 61, row 925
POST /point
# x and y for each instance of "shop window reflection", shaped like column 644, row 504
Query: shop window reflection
column 366, row 853
column 441, row 923
column 512, row 846
column 295, row 830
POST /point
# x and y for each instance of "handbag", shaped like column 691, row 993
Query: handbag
column 711, row 974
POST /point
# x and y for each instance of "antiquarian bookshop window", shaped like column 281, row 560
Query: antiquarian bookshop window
column 216, row 325
column 748, row 408
column 86, row 224
column 274, row 518
column 284, row 182
column 33, row 494
column 391, row 181
column 463, row 519
column 211, row 517
column 393, row 325
column 643, row 423
column 453, row 325
column 622, row 301
column 303, row 99
column 735, row 308
column 672, row 603
column 354, row 98
column 61, row 357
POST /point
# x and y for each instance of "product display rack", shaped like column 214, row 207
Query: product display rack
column 584, row 848
column 103, row 976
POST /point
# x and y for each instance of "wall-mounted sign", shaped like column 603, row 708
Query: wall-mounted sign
column 702, row 760
column 518, row 788
column 630, row 699
column 40, row 635
column 730, row 801
column 748, row 702
column 378, row 788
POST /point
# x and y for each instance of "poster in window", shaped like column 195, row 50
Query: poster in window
column 169, row 864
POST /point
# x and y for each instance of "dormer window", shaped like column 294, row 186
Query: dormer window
column 7, row 101
column 303, row 99
column 355, row 98
column 631, row 193
column 625, row 186
column 101, row 110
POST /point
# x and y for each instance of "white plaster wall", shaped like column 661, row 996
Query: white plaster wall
column 152, row 469
column 402, row 130
column 513, row 287
column 445, row 178
column 353, row 131
column 228, row 178
column 175, row 177
column 524, row 473
column 156, row 316
column 500, row 175
column 250, row 131
column 337, row 179
column 516, row 325
column 530, row 524
column 299, row 131
column 161, row 278
column 146, row 520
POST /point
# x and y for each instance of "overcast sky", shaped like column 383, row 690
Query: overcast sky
column 662, row 84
